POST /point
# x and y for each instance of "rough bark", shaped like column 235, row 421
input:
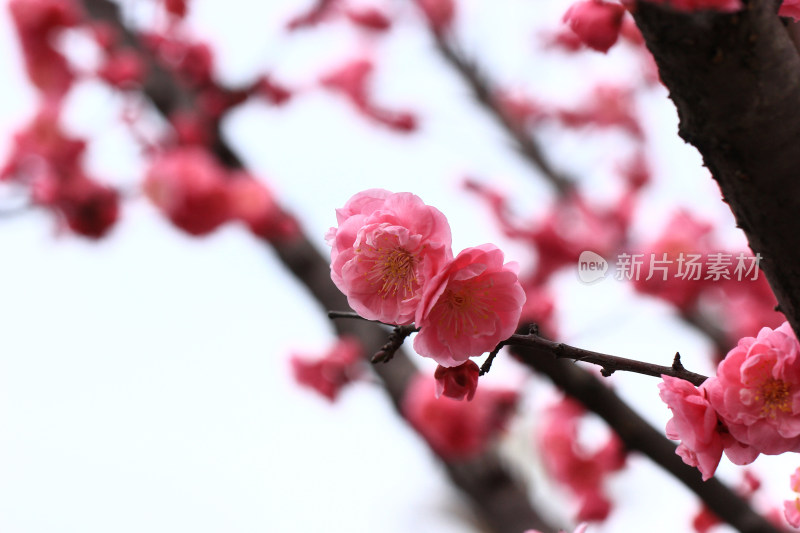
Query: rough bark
column 735, row 81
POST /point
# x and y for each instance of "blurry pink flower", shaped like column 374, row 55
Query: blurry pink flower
column 790, row 8
column 454, row 429
column 457, row 382
column 189, row 186
column 386, row 248
column 327, row 375
column 597, row 23
column 743, row 307
column 38, row 23
column 89, row 208
column 608, row 106
column 469, row 306
column 254, row 204
column 683, row 236
column 791, row 508
column 757, row 393
column 177, row 8
column 368, row 17
column 567, row 461
column 694, row 423
column 440, row 13
column 351, row 79
column 122, row 68
column 518, row 108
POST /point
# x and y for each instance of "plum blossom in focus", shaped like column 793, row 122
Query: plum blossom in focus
column 457, row 382
column 469, row 307
column 386, row 248
column 694, row 423
column 757, row 391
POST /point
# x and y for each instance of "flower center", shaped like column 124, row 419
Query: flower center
column 393, row 269
column 462, row 306
column 775, row 395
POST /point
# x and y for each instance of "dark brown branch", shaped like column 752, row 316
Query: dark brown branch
column 735, row 80
column 558, row 350
column 609, row 363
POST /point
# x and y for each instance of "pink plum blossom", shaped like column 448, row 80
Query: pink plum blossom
column 328, row 374
column 386, row 248
column 457, row 382
column 454, row 429
column 683, row 237
column 757, row 393
column 595, row 22
column 469, row 306
column 790, row 8
column 189, row 186
column 568, row 461
column 694, row 423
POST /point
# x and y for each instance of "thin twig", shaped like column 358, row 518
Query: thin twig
column 558, row 350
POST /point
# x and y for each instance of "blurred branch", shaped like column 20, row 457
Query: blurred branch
column 484, row 93
column 497, row 497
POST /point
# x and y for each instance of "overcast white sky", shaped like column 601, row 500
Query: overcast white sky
column 144, row 383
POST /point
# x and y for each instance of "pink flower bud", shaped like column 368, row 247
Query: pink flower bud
column 597, row 23
column 457, row 382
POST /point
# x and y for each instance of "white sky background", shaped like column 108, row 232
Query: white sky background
column 144, row 383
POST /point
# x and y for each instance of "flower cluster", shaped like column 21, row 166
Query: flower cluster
column 198, row 195
column 751, row 407
column 391, row 257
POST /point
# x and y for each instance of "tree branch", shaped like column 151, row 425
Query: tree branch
column 735, row 80
column 558, row 350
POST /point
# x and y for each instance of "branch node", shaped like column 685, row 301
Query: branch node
column 396, row 339
column 676, row 363
column 606, row 372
